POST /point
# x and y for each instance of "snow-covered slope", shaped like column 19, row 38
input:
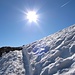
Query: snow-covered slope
column 12, row 64
column 52, row 55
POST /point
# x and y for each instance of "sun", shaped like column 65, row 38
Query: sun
column 32, row 16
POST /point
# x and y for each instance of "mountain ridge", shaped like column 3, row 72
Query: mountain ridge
column 52, row 55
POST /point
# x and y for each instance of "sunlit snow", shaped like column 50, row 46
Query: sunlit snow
column 52, row 55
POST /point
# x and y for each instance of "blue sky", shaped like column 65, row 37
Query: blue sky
column 15, row 30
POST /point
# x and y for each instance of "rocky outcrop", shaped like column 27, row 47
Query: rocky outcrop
column 8, row 49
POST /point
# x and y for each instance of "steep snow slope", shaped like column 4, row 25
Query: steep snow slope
column 52, row 55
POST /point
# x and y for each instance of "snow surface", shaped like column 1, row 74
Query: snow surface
column 12, row 64
column 52, row 55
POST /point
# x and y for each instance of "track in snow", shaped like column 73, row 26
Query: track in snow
column 26, row 61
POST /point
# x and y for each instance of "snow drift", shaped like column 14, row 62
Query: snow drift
column 52, row 55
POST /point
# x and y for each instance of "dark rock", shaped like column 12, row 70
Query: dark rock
column 8, row 49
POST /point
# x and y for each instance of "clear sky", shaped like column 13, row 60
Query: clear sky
column 15, row 30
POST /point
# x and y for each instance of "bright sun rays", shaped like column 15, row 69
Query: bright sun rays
column 32, row 16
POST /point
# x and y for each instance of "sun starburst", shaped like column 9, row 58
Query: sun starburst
column 32, row 16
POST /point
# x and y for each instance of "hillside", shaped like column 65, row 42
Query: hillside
column 52, row 55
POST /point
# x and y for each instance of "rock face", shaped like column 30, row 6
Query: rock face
column 8, row 49
column 52, row 55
